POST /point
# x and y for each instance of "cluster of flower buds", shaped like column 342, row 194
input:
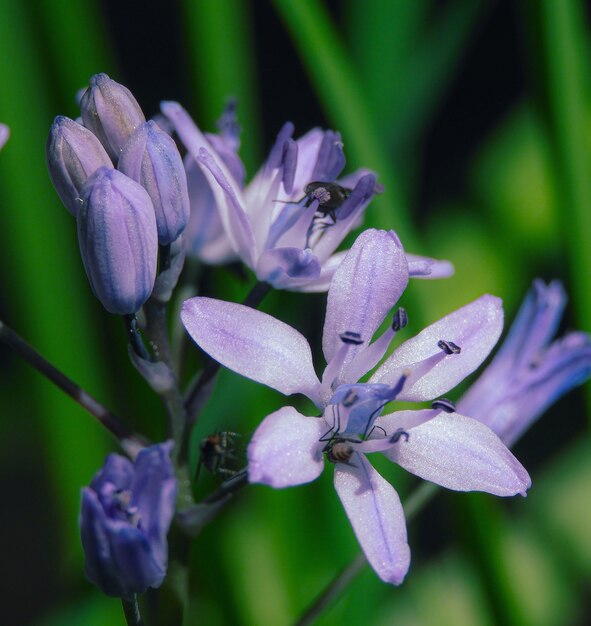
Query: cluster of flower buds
column 124, row 181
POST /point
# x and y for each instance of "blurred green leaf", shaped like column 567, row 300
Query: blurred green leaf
column 222, row 64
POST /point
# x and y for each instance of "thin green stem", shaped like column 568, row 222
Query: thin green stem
column 417, row 500
column 131, row 442
column 131, row 610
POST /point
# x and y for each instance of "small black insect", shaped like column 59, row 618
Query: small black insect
column 340, row 450
column 330, row 197
column 220, row 454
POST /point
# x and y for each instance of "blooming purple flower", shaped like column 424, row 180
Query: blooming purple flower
column 530, row 371
column 4, row 135
column 125, row 517
column 287, row 223
column 288, row 448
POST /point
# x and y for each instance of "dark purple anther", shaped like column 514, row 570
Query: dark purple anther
column 449, row 347
column 400, row 319
column 443, row 404
column 351, row 337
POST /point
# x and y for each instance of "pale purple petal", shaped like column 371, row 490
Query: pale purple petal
column 230, row 206
column 287, row 268
column 286, row 450
column 252, row 344
column 226, row 190
column 322, row 283
column 475, row 328
column 460, row 453
column 365, row 287
column 424, row 267
column 375, row 512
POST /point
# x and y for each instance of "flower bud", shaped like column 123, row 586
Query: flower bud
column 125, row 517
column 111, row 112
column 118, row 240
column 73, row 154
column 151, row 158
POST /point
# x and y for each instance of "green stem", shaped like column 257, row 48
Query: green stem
column 131, row 610
column 127, row 439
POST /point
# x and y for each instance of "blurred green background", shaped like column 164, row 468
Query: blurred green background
column 476, row 116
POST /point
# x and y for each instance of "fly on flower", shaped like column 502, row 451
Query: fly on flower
column 221, row 454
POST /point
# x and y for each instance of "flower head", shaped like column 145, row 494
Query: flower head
column 287, row 223
column 125, row 517
column 289, row 448
column 530, row 371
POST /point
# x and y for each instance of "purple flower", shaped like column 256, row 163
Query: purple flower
column 530, row 371
column 118, row 240
column 125, row 517
column 287, row 223
column 4, row 135
column 289, row 448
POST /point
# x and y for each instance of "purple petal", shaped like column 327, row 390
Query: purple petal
column 375, row 512
column 253, row 344
column 331, row 159
column 226, row 191
column 154, row 493
column 460, row 453
column 364, row 288
column 475, row 328
column 286, row 449
column 287, row 268
column 424, row 267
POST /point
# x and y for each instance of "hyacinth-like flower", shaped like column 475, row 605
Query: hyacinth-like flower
column 73, row 155
column 118, row 240
column 530, row 371
column 4, row 135
column 288, row 448
column 125, row 517
column 287, row 223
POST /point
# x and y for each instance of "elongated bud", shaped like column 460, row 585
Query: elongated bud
column 73, row 154
column 118, row 240
column 111, row 112
column 151, row 158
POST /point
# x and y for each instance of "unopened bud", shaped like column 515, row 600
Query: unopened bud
column 111, row 112
column 151, row 158
column 118, row 240
column 73, row 154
